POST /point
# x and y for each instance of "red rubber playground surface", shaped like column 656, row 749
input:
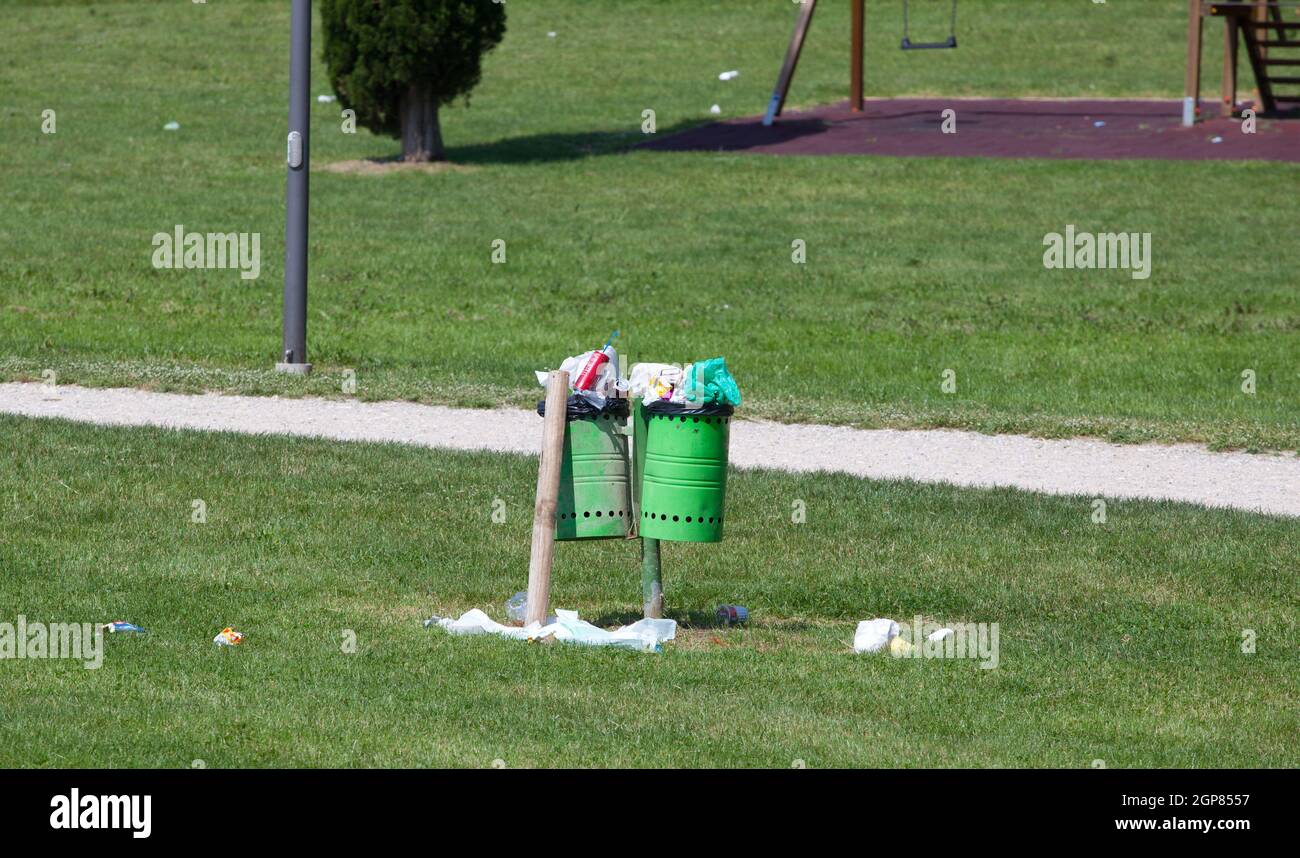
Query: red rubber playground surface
column 997, row 128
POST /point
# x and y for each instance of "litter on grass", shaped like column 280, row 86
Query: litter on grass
column 228, row 637
column 728, row 75
column 121, row 627
column 172, row 126
column 643, row 635
column 517, row 607
column 899, row 647
column 715, row 110
column 732, row 614
column 874, row 635
column 324, row 99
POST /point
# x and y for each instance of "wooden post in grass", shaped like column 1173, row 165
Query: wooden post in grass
column 1229, row 106
column 855, row 62
column 548, row 492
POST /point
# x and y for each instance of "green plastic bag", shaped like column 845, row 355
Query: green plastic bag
column 708, row 382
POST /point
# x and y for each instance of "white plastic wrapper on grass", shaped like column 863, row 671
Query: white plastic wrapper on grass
column 874, row 635
column 643, row 635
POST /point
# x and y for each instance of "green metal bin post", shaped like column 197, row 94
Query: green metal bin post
column 684, row 481
column 595, row 500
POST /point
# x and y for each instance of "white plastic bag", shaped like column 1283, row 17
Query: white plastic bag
column 655, row 382
column 643, row 635
column 606, row 382
column 874, row 635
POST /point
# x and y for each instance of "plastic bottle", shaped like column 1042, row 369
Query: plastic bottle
column 587, row 375
column 517, row 606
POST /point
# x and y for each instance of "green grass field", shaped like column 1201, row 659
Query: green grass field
column 914, row 266
column 1119, row 642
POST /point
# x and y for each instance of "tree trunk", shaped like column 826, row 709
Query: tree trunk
column 421, row 134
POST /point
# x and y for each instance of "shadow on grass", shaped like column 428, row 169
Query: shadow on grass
column 737, row 136
column 552, row 147
column 695, row 619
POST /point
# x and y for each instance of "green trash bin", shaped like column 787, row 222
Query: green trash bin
column 595, row 498
column 684, row 472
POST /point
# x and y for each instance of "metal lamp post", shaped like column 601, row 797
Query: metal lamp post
column 294, row 351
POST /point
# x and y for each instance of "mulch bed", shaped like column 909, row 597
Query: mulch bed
column 999, row 128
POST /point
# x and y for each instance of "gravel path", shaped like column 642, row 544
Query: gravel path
column 1183, row 472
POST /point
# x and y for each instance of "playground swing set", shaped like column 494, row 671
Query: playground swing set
column 857, row 27
column 1259, row 25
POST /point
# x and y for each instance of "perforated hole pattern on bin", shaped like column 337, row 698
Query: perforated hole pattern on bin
column 689, row 519
column 685, row 418
column 593, row 515
column 596, row 513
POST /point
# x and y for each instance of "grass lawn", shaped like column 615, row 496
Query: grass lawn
column 1119, row 642
column 914, row 267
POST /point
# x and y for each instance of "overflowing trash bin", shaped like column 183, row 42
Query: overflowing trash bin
column 684, row 476
column 678, row 487
column 675, row 487
column 683, row 430
column 595, row 500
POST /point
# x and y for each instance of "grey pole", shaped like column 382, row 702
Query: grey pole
column 294, row 353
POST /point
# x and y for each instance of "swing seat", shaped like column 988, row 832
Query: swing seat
column 909, row 45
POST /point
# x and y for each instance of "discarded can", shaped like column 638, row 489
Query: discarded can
column 729, row 614
column 228, row 637
column 121, row 626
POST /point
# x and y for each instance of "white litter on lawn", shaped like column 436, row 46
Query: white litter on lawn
column 874, row 635
column 1268, row 483
column 644, row 635
column 879, row 634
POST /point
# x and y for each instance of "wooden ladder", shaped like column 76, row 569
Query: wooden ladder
column 1272, row 46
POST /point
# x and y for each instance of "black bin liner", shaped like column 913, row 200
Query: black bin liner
column 719, row 410
column 578, row 408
